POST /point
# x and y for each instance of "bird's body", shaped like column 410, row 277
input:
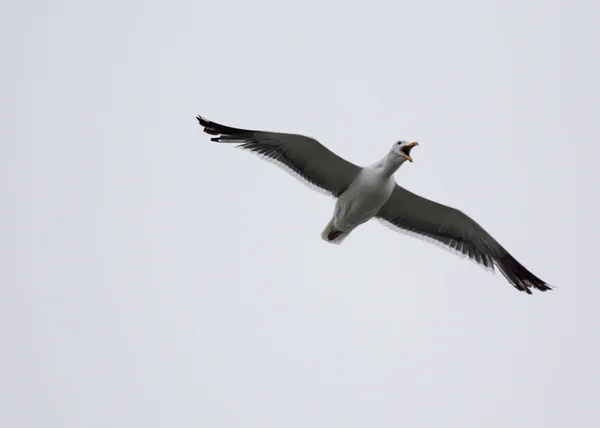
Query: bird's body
column 363, row 199
column 364, row 193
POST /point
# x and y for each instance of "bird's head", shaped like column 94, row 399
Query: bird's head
column 402, row 149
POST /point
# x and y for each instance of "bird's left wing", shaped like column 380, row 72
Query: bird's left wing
column 304, row 157
column 456, row 230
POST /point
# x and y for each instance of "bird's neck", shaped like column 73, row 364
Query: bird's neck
column 390, row 164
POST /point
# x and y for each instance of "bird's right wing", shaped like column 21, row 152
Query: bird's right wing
column 304, row 157
column 456, row 230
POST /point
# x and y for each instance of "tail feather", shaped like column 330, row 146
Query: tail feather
column 332, row 235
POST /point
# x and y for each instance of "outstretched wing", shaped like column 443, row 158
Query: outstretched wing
column 456, row 230
column 304, row 157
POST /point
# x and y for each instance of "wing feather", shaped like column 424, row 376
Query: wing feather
column 302, row 156
column 454, row 229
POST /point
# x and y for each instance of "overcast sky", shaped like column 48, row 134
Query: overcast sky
column 151, row 278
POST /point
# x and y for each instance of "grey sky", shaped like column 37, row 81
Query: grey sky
column 151, row 278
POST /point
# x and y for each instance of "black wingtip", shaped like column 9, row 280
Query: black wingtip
column 223, row 131
column 202, row 121
column 520, row 277
column 205, row 123
column 210, row 128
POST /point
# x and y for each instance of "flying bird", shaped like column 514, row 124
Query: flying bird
column 368, row 192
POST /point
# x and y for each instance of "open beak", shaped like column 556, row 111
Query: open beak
column 405, row 150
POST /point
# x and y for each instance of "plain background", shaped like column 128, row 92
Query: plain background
column 151, row 278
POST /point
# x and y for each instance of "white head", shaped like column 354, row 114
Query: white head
column 400, row 151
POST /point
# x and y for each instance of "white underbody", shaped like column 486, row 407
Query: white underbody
column 364, row 198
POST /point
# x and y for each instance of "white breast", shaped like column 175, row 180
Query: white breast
column 363, row 199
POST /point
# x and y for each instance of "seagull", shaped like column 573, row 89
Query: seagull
column 364, row 193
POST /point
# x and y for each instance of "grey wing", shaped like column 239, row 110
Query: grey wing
column 456, row 230
column 304, row 157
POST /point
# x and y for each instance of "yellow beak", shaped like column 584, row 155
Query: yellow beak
column 409, row 146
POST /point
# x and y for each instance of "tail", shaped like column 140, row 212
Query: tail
column 332, row 235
